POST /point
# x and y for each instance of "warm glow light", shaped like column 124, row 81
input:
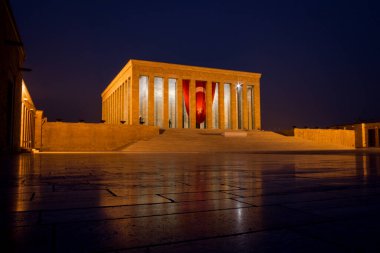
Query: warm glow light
column 238, row 85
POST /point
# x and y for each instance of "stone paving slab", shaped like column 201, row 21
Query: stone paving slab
column 182, row 188
column 62, row 202
column 193, row 196
column 118, row 202
column 287, row 198
column 276, row 241
column 354, row 235
column 27, row 239
column 122, row 212
column 137, row 232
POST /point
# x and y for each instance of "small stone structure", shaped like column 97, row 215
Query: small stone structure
column 367, row 135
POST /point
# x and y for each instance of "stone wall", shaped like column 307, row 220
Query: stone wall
column 61, row 136
column 328, row 136
column 39, row 122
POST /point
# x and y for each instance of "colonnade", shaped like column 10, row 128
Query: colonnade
column 172, row 95
column 115, row 107
column 28, row 112
column 235, row 106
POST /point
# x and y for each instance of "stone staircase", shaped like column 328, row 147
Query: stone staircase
column 203, row 141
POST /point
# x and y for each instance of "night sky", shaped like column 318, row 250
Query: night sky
column 319, row 59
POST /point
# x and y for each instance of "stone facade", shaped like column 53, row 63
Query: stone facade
column 89, row 137
column 28, row 115
column 11, row 61
column 367, row 134
column 231, row 99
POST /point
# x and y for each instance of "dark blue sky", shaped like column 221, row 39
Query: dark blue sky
column 319, row 59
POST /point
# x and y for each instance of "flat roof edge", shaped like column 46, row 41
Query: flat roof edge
column 145, row 62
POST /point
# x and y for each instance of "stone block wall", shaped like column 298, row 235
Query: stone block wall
column 83, row 137
column 328, row 136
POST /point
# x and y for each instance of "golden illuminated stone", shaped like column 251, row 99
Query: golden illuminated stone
column 121, row 99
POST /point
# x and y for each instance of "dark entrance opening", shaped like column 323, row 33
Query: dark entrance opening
column 371, row 137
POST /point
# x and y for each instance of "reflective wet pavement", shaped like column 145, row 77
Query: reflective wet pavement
column 114, row 202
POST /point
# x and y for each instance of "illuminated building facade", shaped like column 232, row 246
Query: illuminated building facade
column 28, row 113
column 179, row 96
column 11, row 62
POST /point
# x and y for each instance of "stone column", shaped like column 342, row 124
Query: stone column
column 192, row 103
column 125, row 102
column 209, row 104
column 103, row 109
column 130, row 100
column 166, row 102
column 136, row 97
column 151, row 101
column 245, row 105
column 108, row 110
column 364, row 136
column 116, row 106
column 121, row 102
column 257, row 107
column 221, row 104
column 111, row 107
column 234, row 124
column 117, row 93
column 179, row 103
column 22, row 123
column 120, row 105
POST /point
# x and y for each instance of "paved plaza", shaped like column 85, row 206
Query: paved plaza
column 210, row 202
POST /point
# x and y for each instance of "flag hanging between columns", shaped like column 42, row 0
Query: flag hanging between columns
column 200, row 94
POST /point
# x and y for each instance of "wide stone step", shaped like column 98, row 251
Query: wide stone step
column 199, row 140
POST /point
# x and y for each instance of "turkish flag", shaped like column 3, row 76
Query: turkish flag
column 200, row 94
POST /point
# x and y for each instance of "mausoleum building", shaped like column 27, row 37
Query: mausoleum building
column 179, row 96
